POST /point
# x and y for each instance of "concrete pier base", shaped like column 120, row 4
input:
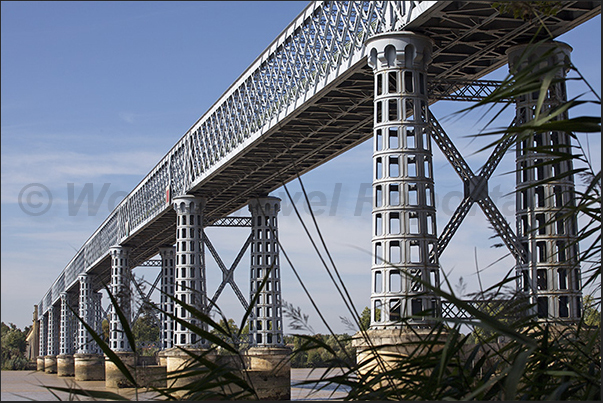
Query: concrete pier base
column 266, row 368
column 269, row 371
column 40, row 363
column 89, row 367
column 177, row 360
column 269, row 359
column 162, row 357
column 65, row 365
column 391, row 345
column 113, row 376
column 50, row 364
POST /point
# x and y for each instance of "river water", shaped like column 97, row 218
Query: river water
column 29, row 385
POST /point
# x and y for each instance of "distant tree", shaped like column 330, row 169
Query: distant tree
column 310, row 354
column 365, row 318
column 230, row 324
column 592, row 317
column 13, row 347
column 105, row 328
column 146, row 329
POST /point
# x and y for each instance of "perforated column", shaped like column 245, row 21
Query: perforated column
column 168, row 256
column 54, row 322
column 43, row 335
column 551, row 274
column 120, row 288
column 265, row 325
column 97, row 312
column 85, row 343
column 404, row 214
column 67, row 325
column 190, row 286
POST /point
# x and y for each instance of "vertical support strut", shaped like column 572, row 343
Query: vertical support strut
column 404, row 214
column 43, row 334
column 54, row 320
column 166, row 336
column 190, row 285
column 67, row 328
column 85, row 343
column 265, row 323
column 545, row 224
column 120, row 287
column 98, row 316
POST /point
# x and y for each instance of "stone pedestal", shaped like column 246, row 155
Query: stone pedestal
column 273, row 359
column 152, row 376
column 40, row 363
column 391, row 345
column 269, row 371
column 50, row 364
column 266, row 368
column 89, row 367
column 177, row 360
column 162, row 357
column 65, row 365
column 113, row 376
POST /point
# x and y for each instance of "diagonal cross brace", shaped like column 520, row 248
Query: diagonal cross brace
column 147, row 297
column 227, row 274
column 476, row 190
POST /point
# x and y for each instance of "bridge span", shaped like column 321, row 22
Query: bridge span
column 313, row 94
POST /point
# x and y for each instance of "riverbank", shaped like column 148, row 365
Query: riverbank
column 29, row 385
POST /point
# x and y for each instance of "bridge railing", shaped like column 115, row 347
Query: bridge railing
column 325, row 39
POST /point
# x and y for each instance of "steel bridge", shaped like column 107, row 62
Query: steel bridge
column 306, row 99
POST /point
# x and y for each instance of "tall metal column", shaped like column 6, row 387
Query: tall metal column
column 67, row 326
column 97, row 317
column 166, row 335
column 54, row 320
column 404, row 214
column 265, row 325
column 551, row 273
column 43, row 335
column 190, row 285
column 85, row 343
column 120, row 287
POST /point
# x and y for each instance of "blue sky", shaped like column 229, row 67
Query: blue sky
column 94, row 93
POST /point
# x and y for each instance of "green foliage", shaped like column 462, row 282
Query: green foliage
column 365, row 318
column 310, row 351
column 527, row 10
column 146, row 333
column 13, row 347
column 146, row 329
column 105, row 330
column 592, row 316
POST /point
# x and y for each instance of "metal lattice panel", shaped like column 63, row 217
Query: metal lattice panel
column 231, row 222
column 502, row 308
column 151, row 263
column 306, row 99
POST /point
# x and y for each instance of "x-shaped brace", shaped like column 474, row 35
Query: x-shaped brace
column 227, row 274
column 147, row 297
column 476, row 191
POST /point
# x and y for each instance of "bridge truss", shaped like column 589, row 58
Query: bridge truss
column 306, row 99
